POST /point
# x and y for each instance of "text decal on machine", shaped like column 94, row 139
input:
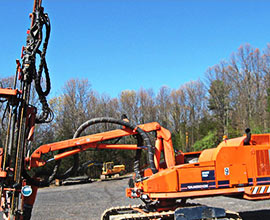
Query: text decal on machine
column 208, row 175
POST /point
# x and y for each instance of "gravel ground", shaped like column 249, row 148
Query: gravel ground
column 88, row 201
column 85, row 201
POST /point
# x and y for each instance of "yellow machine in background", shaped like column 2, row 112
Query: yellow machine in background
column 111, row 170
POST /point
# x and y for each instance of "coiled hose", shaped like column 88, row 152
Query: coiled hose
column 142, row 137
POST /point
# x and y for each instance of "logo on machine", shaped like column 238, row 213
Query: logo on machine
column 199, row 186
column 208, row 175
column 194, row 186
column 27, row 191
column 226, row 171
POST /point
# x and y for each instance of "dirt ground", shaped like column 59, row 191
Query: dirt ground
column 88, row 201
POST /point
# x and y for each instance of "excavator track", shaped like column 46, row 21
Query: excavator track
column 113, row 211
column 136, row 213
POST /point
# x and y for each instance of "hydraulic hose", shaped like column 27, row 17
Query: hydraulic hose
column 142, row 137
column 140, row 132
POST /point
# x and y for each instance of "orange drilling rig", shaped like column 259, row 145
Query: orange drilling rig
column 237, row 167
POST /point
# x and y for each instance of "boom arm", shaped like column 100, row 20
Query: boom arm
column 163, row 144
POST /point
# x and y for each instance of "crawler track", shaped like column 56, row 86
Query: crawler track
column 132, row 213
column 136, row 213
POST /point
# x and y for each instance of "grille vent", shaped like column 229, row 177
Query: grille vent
column 263, row 166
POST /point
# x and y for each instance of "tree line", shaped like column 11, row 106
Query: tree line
column 234, row 95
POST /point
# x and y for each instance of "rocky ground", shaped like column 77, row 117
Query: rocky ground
column 88, row 201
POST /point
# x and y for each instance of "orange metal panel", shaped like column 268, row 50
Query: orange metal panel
column 234, row 164
column 147, row 172
column 256, row 197
column 8, row 92
column 262, row 164
column 238, row 174
column 163, row 181
column 152, row 126
column 206, row 155
column 257, row 192
column 191, row 173
column 169, row 153
column 260, row 139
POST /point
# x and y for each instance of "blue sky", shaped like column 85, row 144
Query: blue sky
column 129, row 44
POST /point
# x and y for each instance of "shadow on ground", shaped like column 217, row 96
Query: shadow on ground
column 255, row 215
